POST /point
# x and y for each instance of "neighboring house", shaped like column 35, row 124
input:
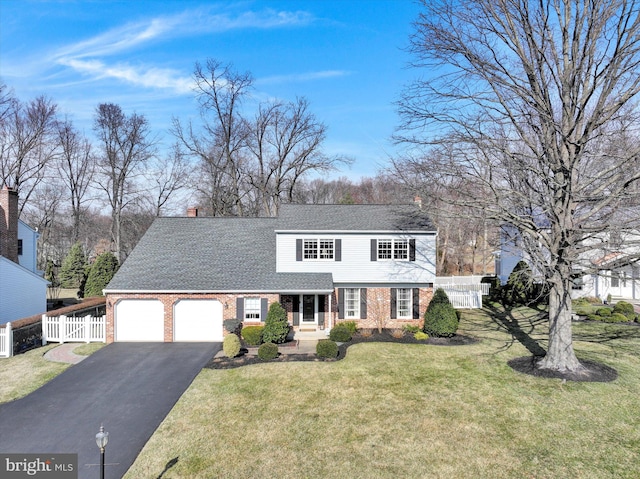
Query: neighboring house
column 612, row 267
column 23, row 291
column 323, row 263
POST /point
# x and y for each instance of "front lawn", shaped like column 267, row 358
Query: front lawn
column 409, row 410
column 26, row 372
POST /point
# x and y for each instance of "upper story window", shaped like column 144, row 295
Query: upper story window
column 314, row 249
column 19, row 247
column 393, row 249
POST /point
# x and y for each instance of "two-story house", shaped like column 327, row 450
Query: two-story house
column 23, row 290
column 323, row 263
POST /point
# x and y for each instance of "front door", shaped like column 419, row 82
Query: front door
column 308, row 310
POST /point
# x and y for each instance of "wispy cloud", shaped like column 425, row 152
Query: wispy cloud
column 88, row 57
column 149, row 77
column 302, row 77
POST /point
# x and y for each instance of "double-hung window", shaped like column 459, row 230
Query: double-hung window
column 393, row 249
column 318, row 249
column 252, row 309
column 404, row 307
column 352, row 302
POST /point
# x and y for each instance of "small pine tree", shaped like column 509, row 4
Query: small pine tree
column 440, row 318
column 73, row 267
column 439, row 297
column 276, row 326
column 100, row 274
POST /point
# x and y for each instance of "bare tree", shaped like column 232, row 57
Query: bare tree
column 126, row 147
column 220, row 92
column 167, row 177
column 250, row 165
column 76, row 167
column 285, row 145
column 26, row 143
column 525, row 103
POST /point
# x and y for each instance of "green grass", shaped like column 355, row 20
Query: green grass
column 88, row 349
column 394, row 410
column 24, row 373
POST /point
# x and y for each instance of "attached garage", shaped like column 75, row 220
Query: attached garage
column 197, row 320
column 139, row 320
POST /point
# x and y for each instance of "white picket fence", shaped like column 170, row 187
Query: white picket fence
column 62, row 329
column 465, row 299
column 6, row 341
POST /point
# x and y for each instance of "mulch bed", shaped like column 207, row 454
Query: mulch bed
column 249, row 355
column 592, row 372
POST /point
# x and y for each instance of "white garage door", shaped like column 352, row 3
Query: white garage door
column 139, row 320
column 197, row 320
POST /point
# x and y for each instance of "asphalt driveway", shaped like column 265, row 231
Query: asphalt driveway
column 128, row 387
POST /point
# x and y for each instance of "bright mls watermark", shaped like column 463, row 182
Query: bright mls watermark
column 50, row 466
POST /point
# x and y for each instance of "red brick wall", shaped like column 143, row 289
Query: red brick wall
column 9, row 224
column 169, row 299
column 379, row 306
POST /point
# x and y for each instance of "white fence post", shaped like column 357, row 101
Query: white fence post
column 45, row 329
column 6, row 341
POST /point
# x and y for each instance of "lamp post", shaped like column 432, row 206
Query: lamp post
column 102, row 438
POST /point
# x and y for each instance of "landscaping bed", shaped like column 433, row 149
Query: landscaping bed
column 289, row 351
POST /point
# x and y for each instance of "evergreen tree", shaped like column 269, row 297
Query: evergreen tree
column 100, row 274
column 520, row 289
column 440, row 318
column 276, row 326
column 73, row 267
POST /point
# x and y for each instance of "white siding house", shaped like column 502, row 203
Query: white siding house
column 22, row 292
column 355, row 264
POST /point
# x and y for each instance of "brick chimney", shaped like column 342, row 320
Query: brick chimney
column 192, row 212
column 9, row 223
column 417, row 200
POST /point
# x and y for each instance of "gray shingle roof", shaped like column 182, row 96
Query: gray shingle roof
column 354, row 217
column 238, row 254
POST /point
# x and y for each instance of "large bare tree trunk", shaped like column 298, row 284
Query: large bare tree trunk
column 560, row 354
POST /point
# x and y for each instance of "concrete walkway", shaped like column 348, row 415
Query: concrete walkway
column 64, row 354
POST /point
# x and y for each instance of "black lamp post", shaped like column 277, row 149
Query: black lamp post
column 102, row 438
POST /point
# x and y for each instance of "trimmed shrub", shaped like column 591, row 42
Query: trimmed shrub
column 268, row 351
column 604, row 312
column 616, row 318
column 276, row 326
column 440, row 320
column 397, row 333
column 519, row 290
column 411, row 328
column 420, row 336
column 252, row 335
column 340, row 334
column 440, row 297
column 233, row 326
column 100, row 274
column 231, row 345
column 594, row 317
column 495, row 288
column 327, row 349
column 352, row 326
column 626, row 309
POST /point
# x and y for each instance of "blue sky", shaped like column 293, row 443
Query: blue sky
column 346, row 57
